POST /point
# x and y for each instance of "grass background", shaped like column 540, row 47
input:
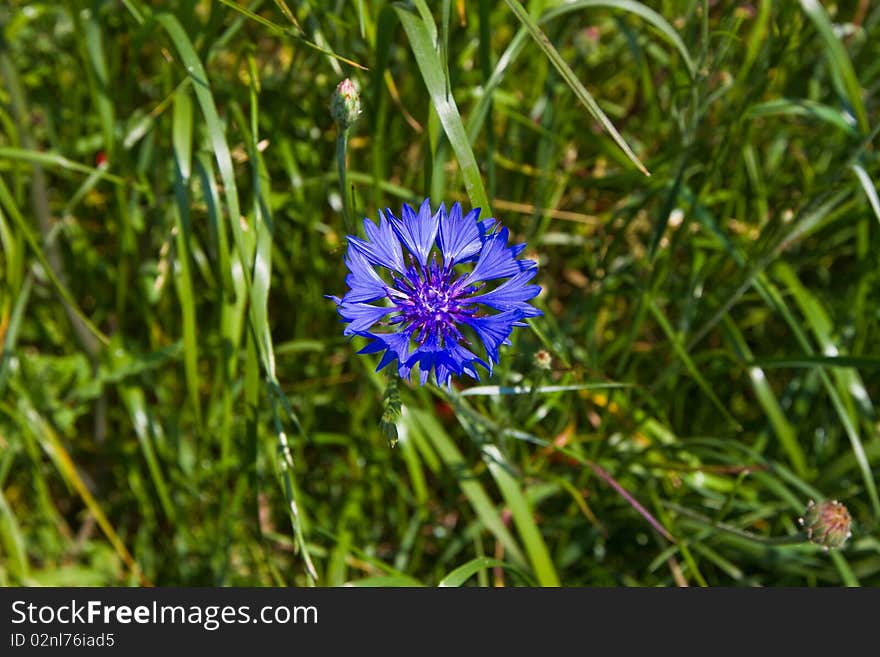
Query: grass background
column 178, row 405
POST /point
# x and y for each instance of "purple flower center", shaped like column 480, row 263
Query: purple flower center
column 431, row 301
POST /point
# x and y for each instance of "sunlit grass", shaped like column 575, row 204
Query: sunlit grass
column 178, row 405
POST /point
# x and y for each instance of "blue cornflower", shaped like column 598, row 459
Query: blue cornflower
column 431, row 310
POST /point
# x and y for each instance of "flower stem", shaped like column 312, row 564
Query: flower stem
column 793, row 539
column 341, row 148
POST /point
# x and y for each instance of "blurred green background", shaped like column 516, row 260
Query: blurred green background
column 178, row 405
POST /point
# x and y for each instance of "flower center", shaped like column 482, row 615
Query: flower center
column 430, row 303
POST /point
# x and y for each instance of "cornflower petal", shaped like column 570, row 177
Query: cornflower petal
column 497, row 260
column 361, row 315
column 363, row 281
column 381, row 246
column 417, row 231
column 494, row 331
column 485, row 227
column 459, row 236
column 395, row 346
column 512, row 294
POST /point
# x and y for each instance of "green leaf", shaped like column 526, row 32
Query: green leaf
column 182, row 134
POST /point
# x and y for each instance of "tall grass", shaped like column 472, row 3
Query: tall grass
column 178, row 405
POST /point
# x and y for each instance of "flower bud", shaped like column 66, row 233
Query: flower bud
column 827, row 523
column 543, row 360
column 345, row 106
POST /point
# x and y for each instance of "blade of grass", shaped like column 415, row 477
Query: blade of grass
column 843, row 74
column 12, row 541
column 685, row 357
column 431, row 69
column 767, row 399
column 278, row 29
column 869, row 187
column 182, row 134
column 386, row 581
column 424, row 424
column 464, row 572
column 526, row 390
column 523, row 516
column 571, row 79
column 802, row 107
column 857, row 362
column 55, row 160
column 637, row 8
column 8, row 202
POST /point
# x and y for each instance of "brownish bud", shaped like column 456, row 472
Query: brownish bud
column 543, row 359
column 827, row 523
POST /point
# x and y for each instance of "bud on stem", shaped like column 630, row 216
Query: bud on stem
column 827, row 523
column 345, row 106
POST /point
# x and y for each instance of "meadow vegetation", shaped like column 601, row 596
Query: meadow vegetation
column 179, row 406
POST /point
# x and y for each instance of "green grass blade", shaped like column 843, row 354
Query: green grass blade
column 432, row 73
column 540, row 390
column 13, row 325
column 571, row 79
column 424, row 424
column 182, row 135
column 523, row 516
column 637, row 8
column 12, row 541
column 99, row 78
column 856, row 362
column 467, row 570
column 386, row 581
column 844, row 75
column 802, row 107
column 216, row 131
column 685, row 357
column 56, row 161
column 869, row 187
column 279, row 29
column 783, row 429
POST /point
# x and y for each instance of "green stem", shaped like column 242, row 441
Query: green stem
column 341, row 147
column 793, row 539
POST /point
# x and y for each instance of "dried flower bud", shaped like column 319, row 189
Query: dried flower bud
column 345, row 106
column 543, row 360
column 827, row 523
